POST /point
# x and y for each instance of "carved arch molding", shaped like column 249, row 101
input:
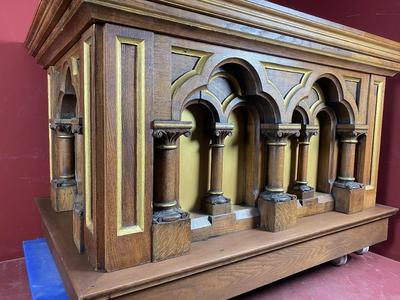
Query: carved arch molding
column 221, row 82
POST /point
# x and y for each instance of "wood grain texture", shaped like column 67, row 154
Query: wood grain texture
column 335, row 234
column 354, row 45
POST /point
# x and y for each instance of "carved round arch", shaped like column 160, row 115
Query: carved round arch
column 67, row 97
column 251, row 76
column 335, row 93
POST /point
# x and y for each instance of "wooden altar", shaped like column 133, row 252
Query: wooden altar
column 206, row 148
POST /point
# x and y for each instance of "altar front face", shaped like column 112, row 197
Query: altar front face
column 169, row 126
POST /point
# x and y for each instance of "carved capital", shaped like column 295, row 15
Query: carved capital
column 349, row 133
column 63, row 126
column 277, row 134
column 220, row 132
column 168, row 132
column 306, row 132
column 77, row 126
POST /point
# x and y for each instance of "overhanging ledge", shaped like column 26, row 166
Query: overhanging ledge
column 261, row 22
column 314, row 240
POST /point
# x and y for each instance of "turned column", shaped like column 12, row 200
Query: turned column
column 166, row 134
column 277, row 208
column 276, row 136
column 65, row 148
column 169, row 220
column 215, row 203
column 348, row 194
column 301, row 188
column 348, row 137
column 63, row 184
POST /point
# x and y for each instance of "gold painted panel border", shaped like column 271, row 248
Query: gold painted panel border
column 87, row 131
column 376, row 144
column 277, row 67
column 140, row 141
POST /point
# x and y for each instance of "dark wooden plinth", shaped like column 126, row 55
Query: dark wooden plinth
column 240, row 261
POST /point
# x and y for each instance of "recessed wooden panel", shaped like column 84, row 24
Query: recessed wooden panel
column 129, row 59
column 130, row 134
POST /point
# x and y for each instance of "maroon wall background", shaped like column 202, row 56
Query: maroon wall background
column 23, row 116
column 23, row 130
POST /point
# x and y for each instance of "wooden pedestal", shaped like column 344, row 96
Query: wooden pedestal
column 63, row 195
column 171, row 239
column 348, row 201
column 214, row 268
column 277, row 216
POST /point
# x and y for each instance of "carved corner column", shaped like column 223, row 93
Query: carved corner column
column 301, row 188
column 348, row 194
column 215, row 203
column 277, row 208
column 63, row 185
column 78, row 205
column 171, row 226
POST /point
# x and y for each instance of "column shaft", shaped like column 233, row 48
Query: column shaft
column 217, row 166
column 276, row 163
column 347, row 160
column 302, row 163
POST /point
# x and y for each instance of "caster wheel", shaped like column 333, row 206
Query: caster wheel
column 340, row 261
column 362, row 251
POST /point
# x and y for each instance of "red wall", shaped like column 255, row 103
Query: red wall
column 23, row 130
column 381, row 18
column 23, row 113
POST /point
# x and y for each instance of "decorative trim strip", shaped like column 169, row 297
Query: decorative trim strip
column 140, row 140
column 87, row 63
column 377, row 135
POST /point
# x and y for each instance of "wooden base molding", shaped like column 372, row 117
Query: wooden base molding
column 240, row 218
column 265, row 256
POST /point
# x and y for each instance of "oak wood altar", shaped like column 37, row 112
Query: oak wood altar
column 174, row 121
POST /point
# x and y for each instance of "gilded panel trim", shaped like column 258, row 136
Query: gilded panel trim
column 203, row 57
column 305, row 72
column 377, row 135
column 87, row 62
column 140, row 141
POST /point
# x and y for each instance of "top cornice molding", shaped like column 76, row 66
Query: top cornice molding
column 257, row 20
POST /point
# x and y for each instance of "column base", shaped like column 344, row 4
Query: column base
column 349, row 196
column 216, row 204
column 63, row 193
column 171, row 236
column 278, row 211
column 302, row 191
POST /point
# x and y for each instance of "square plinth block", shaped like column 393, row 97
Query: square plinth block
column 216, row 209
column 277, row 216
column 62, row 196
column 347, row 200
column 171, row 239
column 301, row 195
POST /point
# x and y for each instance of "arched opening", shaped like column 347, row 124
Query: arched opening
column 324, row 172
column 243, row 158
column 194, row 158
column 68, row 101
